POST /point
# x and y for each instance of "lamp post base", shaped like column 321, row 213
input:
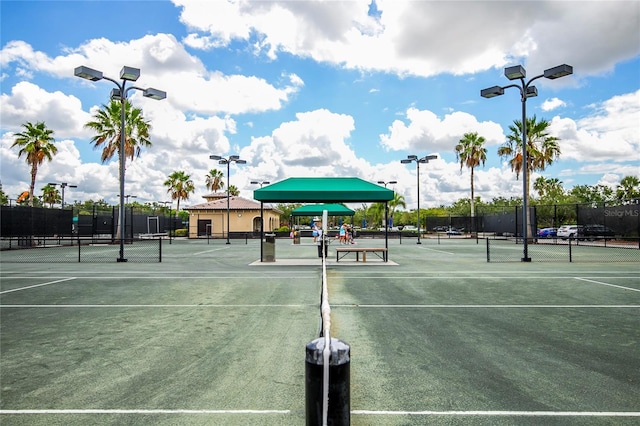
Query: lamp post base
column 120, row 259
column 525, row 259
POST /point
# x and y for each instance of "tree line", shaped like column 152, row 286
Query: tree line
column 37, row 144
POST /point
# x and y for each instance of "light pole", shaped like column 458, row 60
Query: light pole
column 222, row 160
column 386, row 205
column 255, row 182
column 63, row 185
column 126, row 74
column 526, row 91
column 410, row 159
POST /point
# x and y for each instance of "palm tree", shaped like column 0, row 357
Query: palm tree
column 214, row 180
column 234, row 191
column 398, row 200
column 542, row 150
column 471, row 152
column 628, row 188
column 107, row 124
column 50, row 195
column 549, row 189
column 180, row 186
column 38, row 144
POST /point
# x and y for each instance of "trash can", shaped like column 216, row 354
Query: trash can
column 269, row 248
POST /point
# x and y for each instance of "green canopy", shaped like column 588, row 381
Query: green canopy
column 318, row 209
column 323, row 190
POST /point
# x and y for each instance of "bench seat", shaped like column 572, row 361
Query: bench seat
column 381, row 252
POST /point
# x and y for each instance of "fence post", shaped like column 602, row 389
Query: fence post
column 569, row 250
column 488, row 256
column 159, row 249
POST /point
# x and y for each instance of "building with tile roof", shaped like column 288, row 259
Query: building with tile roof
column 210, row 218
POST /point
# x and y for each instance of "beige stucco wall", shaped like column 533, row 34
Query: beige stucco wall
column 239, row 221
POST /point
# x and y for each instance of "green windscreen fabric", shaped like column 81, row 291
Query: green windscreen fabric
column 323, row 190
column 318, row 209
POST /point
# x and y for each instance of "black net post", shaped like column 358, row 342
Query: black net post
column 338, row 412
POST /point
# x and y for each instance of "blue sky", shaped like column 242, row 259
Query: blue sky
column 322, row 89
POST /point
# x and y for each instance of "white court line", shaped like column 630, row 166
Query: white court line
column 610, row 285
column 37, row 285
column 439, row 251
column 159, row 411
column 503, row 413
column 164, row 306
column 355, row 412
column 208, row 251
column 489, row 306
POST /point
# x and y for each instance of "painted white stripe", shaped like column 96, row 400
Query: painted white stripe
column 38, row 285
column 439, row 251
column 489, row 306
column 610, row 285
column 163, row 306
column 502, row 413
column 355, row 412
column 159, row 411
column 208, row 251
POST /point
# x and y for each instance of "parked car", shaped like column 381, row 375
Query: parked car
column 454, row 231
column 548, row 233
column 597, row 231
column 569, row 231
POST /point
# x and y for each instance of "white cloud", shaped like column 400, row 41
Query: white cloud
column 551, row 104
column 424, row 38
column 426, row 132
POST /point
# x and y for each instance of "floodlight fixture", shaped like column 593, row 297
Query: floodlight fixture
column 87, row 73
column 116, row 95
column 154, row 94
column 531, row 92
column 492, row 92
column 557, row 72
column 215, row 157
column 129, row 73
column 515, row 72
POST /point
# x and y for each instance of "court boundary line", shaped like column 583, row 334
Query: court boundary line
column 353, row 412
column 150, row 411
column 485, row 306
column 38, row 285
column 503, row 413
column 606, row 284
column 121, row 306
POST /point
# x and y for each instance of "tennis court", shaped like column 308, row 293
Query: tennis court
column 209, row 336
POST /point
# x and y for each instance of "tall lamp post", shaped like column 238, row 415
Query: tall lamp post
column 222, row 160
column 126, row 74
column 410, row 159
column 255, row 182
column 518, row 72
column 386, row 205
column 63, row 185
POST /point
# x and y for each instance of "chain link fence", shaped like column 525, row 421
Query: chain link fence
column 59, row 249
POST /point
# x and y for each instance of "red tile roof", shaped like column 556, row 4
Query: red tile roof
column 235, row 203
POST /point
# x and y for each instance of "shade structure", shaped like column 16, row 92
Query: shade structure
column 318, row 209
column 323, row 190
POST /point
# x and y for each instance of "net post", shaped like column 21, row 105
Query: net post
column 339, row 395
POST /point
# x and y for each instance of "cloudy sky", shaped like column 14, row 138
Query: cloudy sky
column 321, row 88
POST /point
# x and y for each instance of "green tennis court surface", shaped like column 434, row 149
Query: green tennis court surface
column 209, row 337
